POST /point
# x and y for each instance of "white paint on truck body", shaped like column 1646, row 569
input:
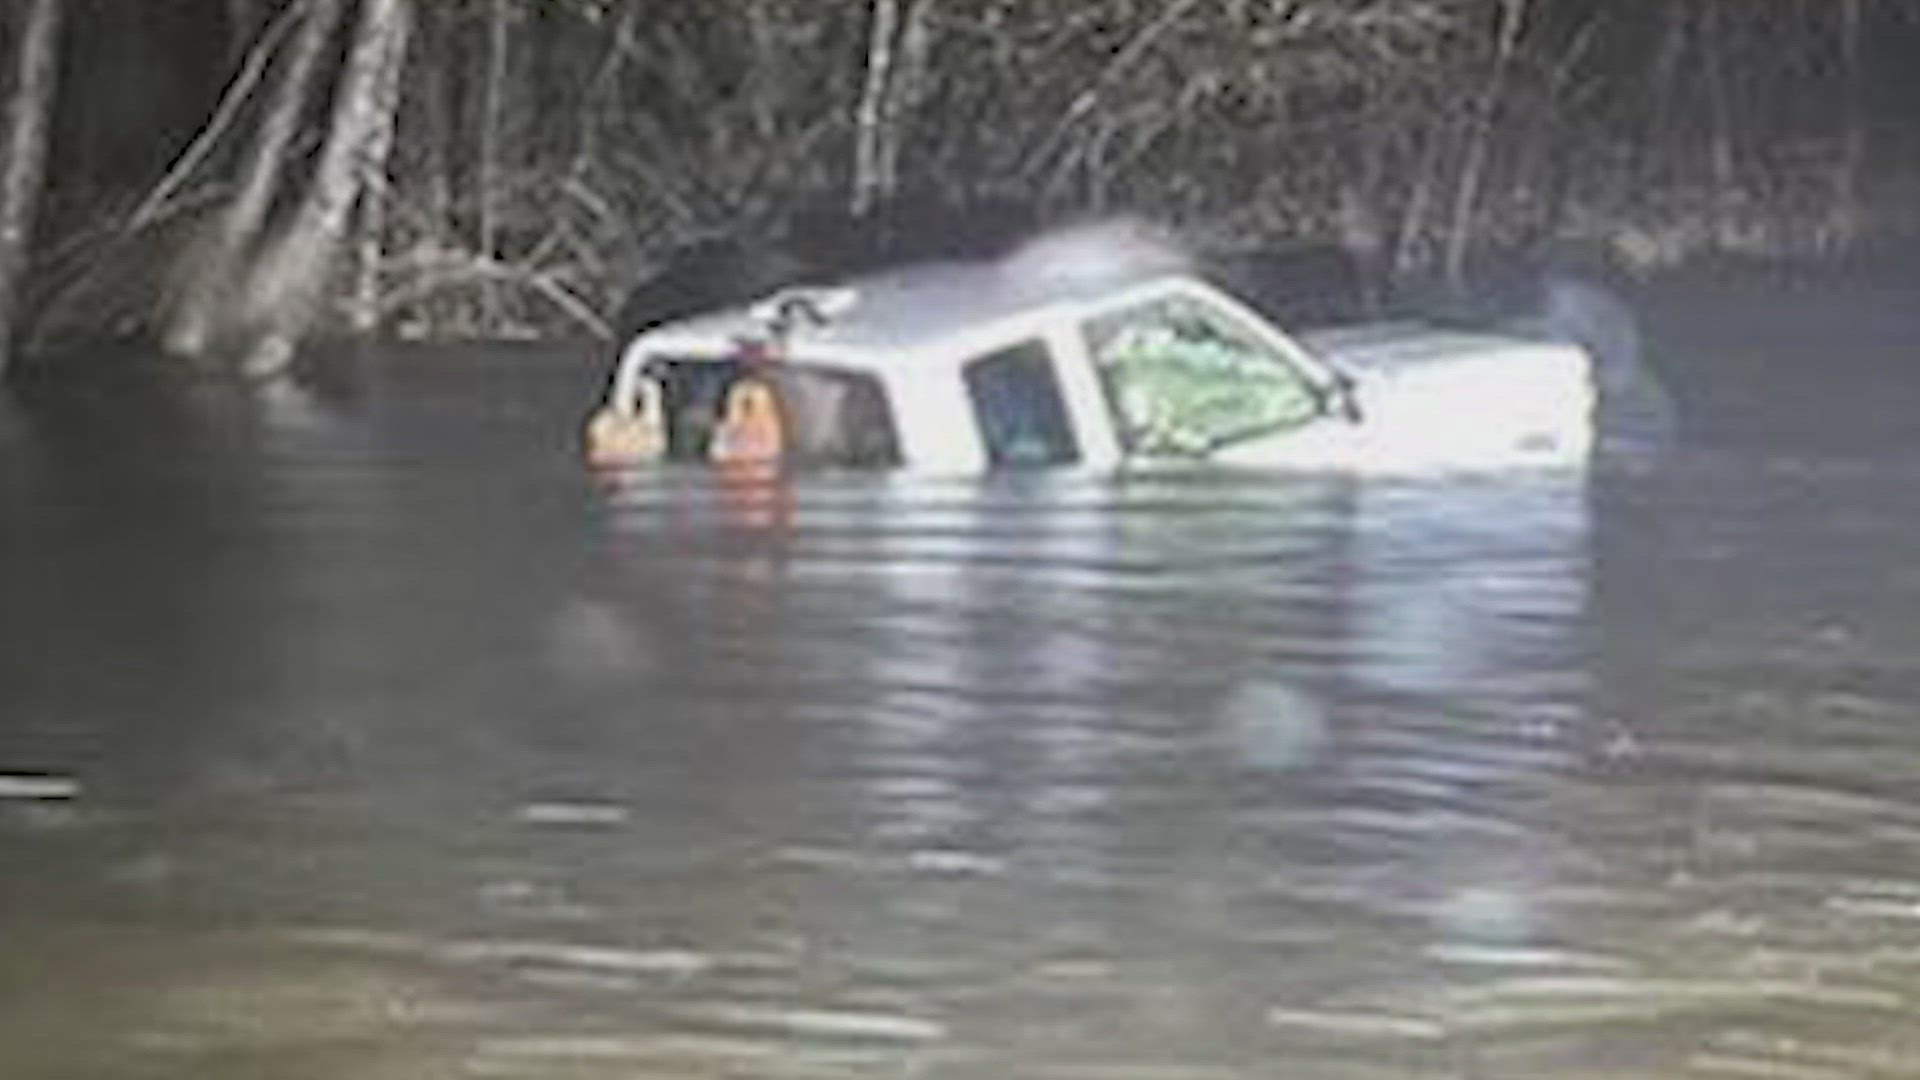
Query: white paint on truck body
column 1393, row 397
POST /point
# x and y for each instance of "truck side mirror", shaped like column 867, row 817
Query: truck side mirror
column 1339, row 396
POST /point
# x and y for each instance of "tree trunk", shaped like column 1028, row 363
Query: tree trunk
column 1661, row 108
column 36, row 78
column 487, row 169
column 870, row 122
column 1853, row 142
column 374, row 192
column 290, row 281
column 767, row 65
column 907, row 90
column 1479, row 145
column 1721, row 147
column 1414, row 209
column 490, row 129
column 437, row 115
column 214, row 272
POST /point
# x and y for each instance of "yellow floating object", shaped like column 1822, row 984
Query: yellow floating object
column 629, row 436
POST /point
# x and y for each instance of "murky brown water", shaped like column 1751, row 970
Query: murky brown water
column 371, row 740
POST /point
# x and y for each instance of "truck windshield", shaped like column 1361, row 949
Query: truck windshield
column 1184, row 378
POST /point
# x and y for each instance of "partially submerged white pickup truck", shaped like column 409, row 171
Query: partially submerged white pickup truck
column 965, row 368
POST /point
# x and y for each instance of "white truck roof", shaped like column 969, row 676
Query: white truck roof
column 882, row 319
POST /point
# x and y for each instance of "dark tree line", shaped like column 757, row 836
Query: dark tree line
column 513, row 167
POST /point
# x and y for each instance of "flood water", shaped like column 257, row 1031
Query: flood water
column 367, row 736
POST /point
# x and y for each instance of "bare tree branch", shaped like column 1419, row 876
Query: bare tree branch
column 237, row 92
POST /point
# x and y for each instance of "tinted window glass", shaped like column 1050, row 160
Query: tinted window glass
column 836, row 417
column 1184, row 377
column 693, row 392
column 1017, row 402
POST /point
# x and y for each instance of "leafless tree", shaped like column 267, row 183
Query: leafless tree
column 214, row 270
column 35, row 82
column 290, row 281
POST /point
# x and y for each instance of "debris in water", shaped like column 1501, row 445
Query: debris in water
column 37, row 786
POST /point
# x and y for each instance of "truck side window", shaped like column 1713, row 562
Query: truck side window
column 1184, row 378
column 839, row 418
column 1017, row 403
column 830, row 416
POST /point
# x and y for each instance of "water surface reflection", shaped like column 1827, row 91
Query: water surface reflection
column 405, row 749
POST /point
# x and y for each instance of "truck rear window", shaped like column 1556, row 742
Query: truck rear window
column 831, row 417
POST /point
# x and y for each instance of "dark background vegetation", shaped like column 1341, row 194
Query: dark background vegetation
column 544, row 157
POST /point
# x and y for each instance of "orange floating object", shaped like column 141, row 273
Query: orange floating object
column 751, row 428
